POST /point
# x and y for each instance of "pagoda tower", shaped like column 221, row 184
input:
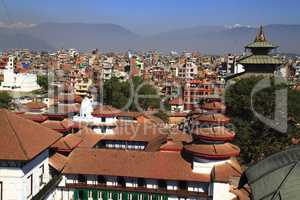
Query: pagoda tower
column 260, row 61
column 211, row 142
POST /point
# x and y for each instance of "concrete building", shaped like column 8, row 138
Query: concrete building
column 102, row 119
column 21, row 82
column 24, row 157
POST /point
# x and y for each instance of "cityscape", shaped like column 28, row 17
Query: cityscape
column 93, row 111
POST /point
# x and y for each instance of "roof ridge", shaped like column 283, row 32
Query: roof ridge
column 16, row 135
column 233, row 167
column 214, row 131
column 215, row 150
column 65, row 142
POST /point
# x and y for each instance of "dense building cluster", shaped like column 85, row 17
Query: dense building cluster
column 68, row 145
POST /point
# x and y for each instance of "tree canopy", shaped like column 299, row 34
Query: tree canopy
column 5, row 99
column 42, row 80
column 135, row 93
column 257, row 139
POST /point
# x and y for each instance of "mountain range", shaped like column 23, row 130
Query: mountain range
column 112, row 37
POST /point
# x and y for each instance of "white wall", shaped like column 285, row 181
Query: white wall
column 205, row 166
column 221, row 192
column 15, row 184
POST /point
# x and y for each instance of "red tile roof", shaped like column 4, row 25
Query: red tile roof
column 224, row 172
column 179, row 136
column 60, row 126
column 34, row 105
column 171, row 145
column 213, row 118
column 178, row 114
column 106, row 111
column 58, row 161
column 22, row 139
column 152, row 165
column 68, row 143
column 213, row 151
column 34, row 117
column 217, row 106
column 89, row 137
column 219, row 133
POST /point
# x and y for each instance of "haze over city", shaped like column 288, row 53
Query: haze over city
column 209, row 26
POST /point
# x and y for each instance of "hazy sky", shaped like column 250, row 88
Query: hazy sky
column 151, row 16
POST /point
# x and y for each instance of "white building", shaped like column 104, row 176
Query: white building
column 107, row 70
column 24, row 157
column 188, row 71
column 21, row 82
column 102, row 119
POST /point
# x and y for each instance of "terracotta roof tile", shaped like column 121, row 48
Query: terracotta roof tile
column 22, row 139
column 153, row 165
column 171, row 145
column 34, row 105
column 105, row 110
column 213, row 118
column 89, row 137
column 213, row 151
column 68, row 143
column 179, row 136
column 223, row 172
column 218, row 106
column 34, row 117
column 58, row 161
column 56, row 125
column 214, row 133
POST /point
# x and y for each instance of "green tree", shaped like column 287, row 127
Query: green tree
column 5, row 99
column 42, row 80
column 256, row 139
column 118, row 93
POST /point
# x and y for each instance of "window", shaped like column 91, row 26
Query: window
column 29, row 186
column 101, row 180
column 141, row 182
column 162, row 184
column 121, row 181
column 182, row 185
column 103, row 129
column 102, row 119
column 81, row 178
column 41, row 177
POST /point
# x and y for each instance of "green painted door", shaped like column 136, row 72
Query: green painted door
column 104, row 195
column 135, row 196
column 75, row 195
column 155, row 196
column 95, row 194
column 145, row 196
column 124, row 195
column 115, row 195
column 165, row 197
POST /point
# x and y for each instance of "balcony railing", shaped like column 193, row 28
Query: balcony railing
column 179, row 192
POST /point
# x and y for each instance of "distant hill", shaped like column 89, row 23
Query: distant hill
column 49, row 36
column 111, row 37
column 225, row 40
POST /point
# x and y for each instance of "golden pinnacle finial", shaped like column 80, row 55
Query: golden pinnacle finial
column 261, row 35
